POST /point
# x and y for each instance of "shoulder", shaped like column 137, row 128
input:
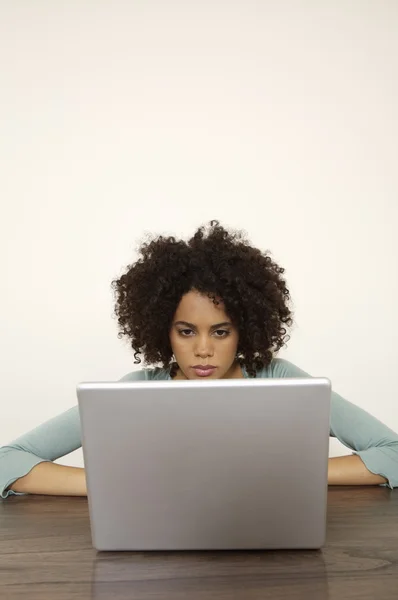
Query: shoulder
column 146, row 375
column 279, row 368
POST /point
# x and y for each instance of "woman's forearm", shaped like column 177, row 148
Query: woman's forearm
column 50, row 479
column 351, row 470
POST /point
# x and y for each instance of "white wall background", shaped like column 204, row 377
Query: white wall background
column 120, row 118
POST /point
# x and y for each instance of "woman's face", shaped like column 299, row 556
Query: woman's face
column 202, row 334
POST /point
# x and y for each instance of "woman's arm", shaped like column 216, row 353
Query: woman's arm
column 351, row 470
column 26, row 464
column 19, row 460
column 48, row 478
column 375, row 460
column 375, row 446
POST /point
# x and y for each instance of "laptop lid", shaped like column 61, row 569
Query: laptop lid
column 200, row 465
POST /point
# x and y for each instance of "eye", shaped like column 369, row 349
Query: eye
column 220, row 333
column 185, row 332
column 223, row 332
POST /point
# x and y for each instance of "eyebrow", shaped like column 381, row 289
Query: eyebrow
column 192, row 326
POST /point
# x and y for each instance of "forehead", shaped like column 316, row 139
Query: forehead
column 198, row 308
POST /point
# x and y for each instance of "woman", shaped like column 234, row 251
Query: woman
column 213, row 307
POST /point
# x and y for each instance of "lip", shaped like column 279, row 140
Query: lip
column 204, row 370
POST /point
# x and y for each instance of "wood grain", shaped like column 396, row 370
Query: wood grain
column 46, row 553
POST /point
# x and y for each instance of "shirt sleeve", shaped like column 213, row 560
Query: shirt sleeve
column 47, row 442
column 375, row 443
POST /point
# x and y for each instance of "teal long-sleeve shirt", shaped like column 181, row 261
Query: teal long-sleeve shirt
column 374, row 442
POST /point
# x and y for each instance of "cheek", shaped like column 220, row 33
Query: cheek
column 177, row 343
column 233, row 343
column 227, row 347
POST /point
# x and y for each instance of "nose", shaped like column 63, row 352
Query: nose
column 203, row 347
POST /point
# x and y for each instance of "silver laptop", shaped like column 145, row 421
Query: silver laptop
column 206, row 465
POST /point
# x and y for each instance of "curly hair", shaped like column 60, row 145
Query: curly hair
column 218, row 263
